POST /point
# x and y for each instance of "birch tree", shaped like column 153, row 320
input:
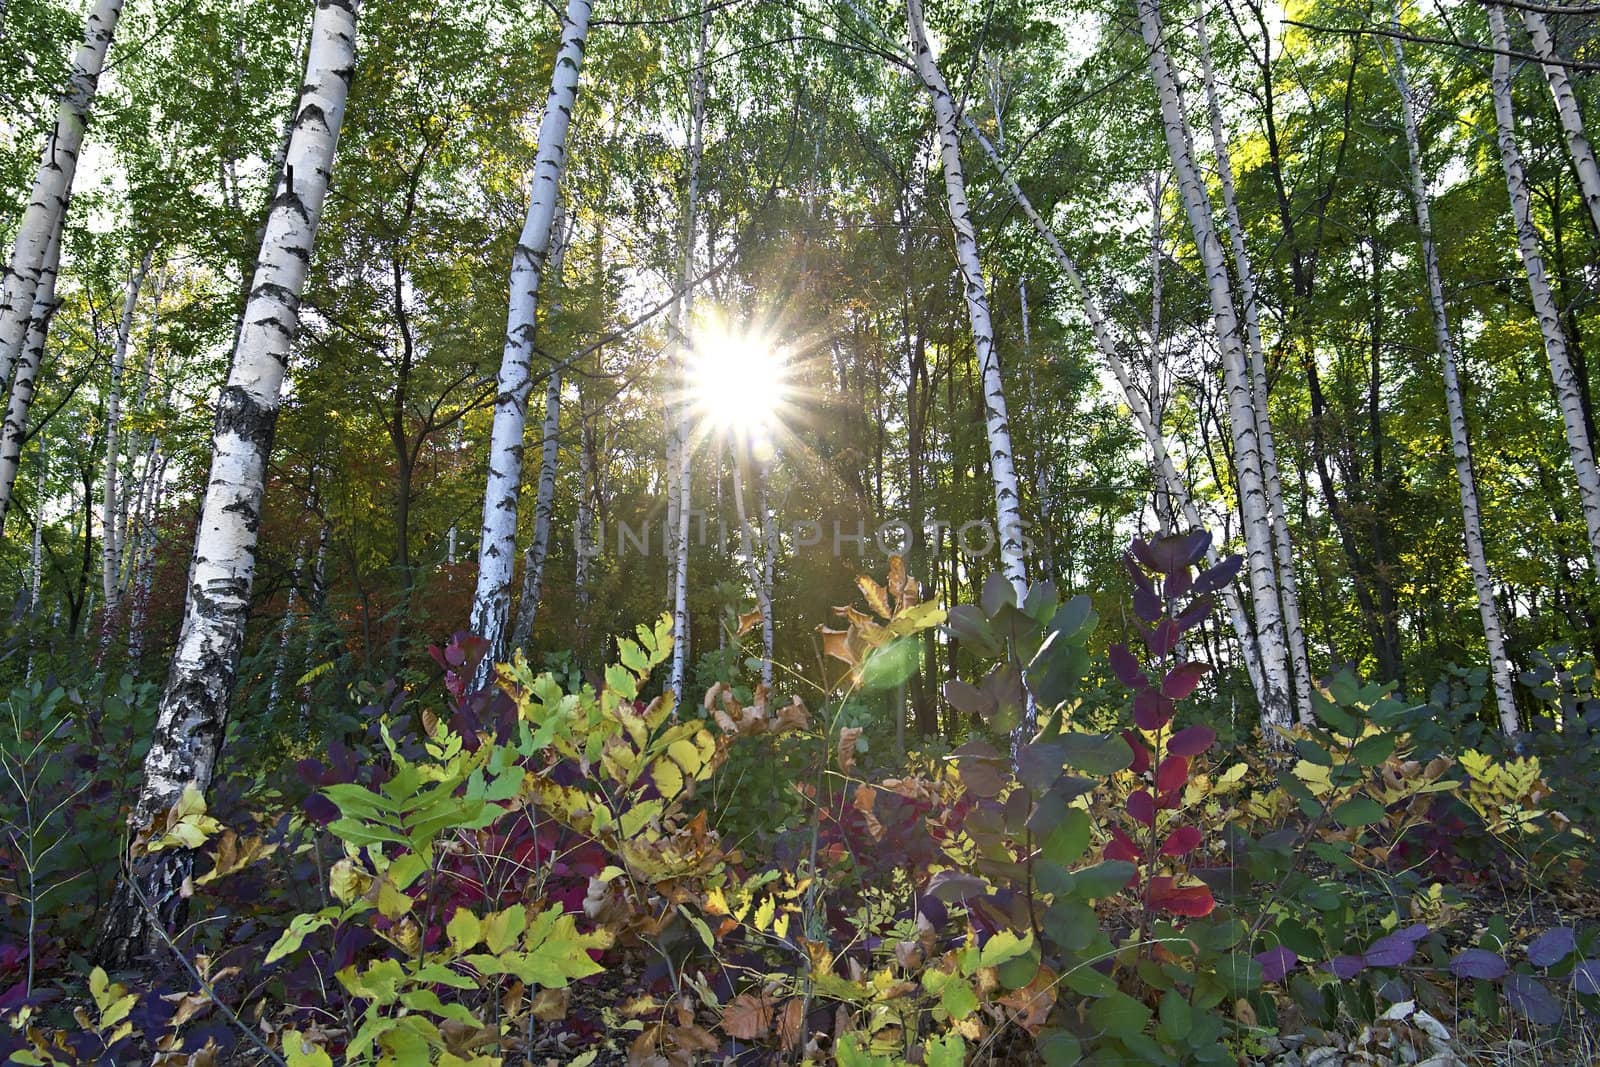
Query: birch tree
column 1254, row 511
column 491, row 604
column 1455, row 407
column 1562, row 372
column 110, row 533
column 192, row 714
column 1167, row 475
column 1555, row 74
column 1282, row 543
column 46, row 208
column 997, row 426
column 14, row 431
column 682, row 316
column 544, row 506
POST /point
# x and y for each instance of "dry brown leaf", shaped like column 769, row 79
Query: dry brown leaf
column 836, row 643
column 793, row 717
column 749, row 621
column 877, row 598
column 550, row 1004
column 865, row 796
column 847, row 748
column 791, row 1021
column 1031, row 1005
column 747, row 1017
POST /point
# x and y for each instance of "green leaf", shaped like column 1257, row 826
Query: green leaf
column 1069, row 840
column 958, row 999
column 1103, row 879
column 1176, row 1016
column 1360, row 811
column 291, row 939
column 1058, row 1048
column 1097, row 753
column 1118, row 1015
column 1372, row 751
column 1070, row 924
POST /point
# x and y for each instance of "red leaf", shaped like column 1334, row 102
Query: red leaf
column 1165, row 894
column 1181, row 842
column 1151, row 710
column 1127, row 668
column 1122, row 847
column 1172, row 774
column 1182, row 680
column 1168, row 801
column 1141, row 755
column 1142, row 806
column 1191, row 741
column 1164, row 639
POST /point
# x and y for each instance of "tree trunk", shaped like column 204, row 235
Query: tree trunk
column 1283, row 545
column 14, row 432
column 1568, row 393
column 286, row 629
column 1166, row 471
column 756, row 571
column 52, row 186
column 491, row 604
column 110, row 535
column 683, row 445
column 193, row 709
column 1253, row 507
column 550, row 453
column 1003, row 470
column 1567, row 110
column 1460, row 444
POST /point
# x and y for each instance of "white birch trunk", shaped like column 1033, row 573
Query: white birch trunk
column 1253, row 507
column 544, row 506
column 35, row 574
column 144, row 572
column 14, row 431
column 286, row 630
column 1167, row 474
column 1567, row 110
column 140, row 400
column 683, row 444
column 581, row 549
column 497, row 549
column 1568, row 395
column 1460, row 443
column 110, row 539
column 769, row 559
column 46, row 208
column 996, row 425
column 193, row 709
column 1283, row 545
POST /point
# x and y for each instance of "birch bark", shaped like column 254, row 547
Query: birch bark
column 14, row 431
column 997, row 426
column 1568, row 394
column 681, row 318
column 1253, row 508
column 110, row 532
column 754, row 569
column 1567, row 110
column 1166, row 470
column 544, row 506
column 52, row 187
column 193, row 710
column 1460, row 443
column 1282, row 543
column 491, row 604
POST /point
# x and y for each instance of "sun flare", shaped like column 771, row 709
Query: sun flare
column 739, row 381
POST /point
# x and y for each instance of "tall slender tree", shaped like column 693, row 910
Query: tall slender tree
column 1254, row 510
column 46, row 208
column 997, row 426
column 1569, row 395
column 1567, row 110
column 150, row 896
column 14, row 432
column 491, row 604
column 110, row 505
column 1455, row 407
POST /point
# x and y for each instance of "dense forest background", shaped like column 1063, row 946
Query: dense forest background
column 1319, row 279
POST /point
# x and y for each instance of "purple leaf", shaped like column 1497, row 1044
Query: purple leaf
column 1390, row 951
column 1586, row 977
column 1151, row 710
column 1178, row 583
column 1414, row 932
column 1219, row 576
column 1136, row 572
column 1478, row 963
column 1142, row 552
column 1530, row 999
column 1346, row 966
column 1142, row 806
column 1183, row 680
column 1147, row 605
column 1127, row 668
column 1191, row 741
column 1164, row 639
column 1195, row 613
column 1551, row 947
column 1276, row 962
